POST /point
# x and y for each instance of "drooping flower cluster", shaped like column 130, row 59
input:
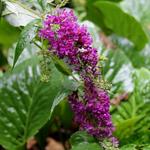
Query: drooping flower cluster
column 72, row 43
column 93, row 114
column 67, row 39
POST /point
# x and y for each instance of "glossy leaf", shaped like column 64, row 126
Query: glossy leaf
column 81, row 140
column 80, row 137
column 27, row 34
column 118, row 71
column 25, row 102
column 58, row 99
column 87, row 146
column 18, row 15
column 106, row 16
column 5, row 30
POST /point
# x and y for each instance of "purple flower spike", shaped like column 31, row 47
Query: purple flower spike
column 67, row 39
column 72, row 42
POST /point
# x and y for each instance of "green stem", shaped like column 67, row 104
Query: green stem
column 37, row 45
column 76, row 79
column 51, row 56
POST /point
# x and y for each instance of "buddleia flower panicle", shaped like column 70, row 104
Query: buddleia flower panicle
column 72, row 43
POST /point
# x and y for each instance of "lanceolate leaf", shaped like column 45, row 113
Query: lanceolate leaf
column 25, row 102
column 111, row 18
column 28, row 33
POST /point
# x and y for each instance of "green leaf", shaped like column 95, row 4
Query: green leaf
column 2, row 7
column 135, row 56
column 131, row 117
column 80, row 137
column 142, row 83
column 18, row 14
column 138, row 9
column 126, row 26
column 5, row 30
column 82, row 140
column 91, row 1
column 27, row 35
column 61, row 96
column 42, row 3
column 128, row 147
column 64, row 109
column 25, row 102
column 61, row 66
column 87, row 146
column 114, row 70
column 135, row 147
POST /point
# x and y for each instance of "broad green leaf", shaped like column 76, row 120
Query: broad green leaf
column 28, row 33
column 5, row 30
column 61, row 96
column 82, row 140
column 106, row 16
column 118, row 71
column 64, row 109
column 81, row 137
column 139, row 9
column 135, row 55
column 17, row 14
column 25, row 102
column 87, row 146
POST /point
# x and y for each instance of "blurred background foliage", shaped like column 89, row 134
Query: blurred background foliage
column 121, row 32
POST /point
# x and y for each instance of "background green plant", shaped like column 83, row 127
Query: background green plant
column 28, row 107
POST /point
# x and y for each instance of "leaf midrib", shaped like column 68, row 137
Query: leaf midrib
column 28, row 114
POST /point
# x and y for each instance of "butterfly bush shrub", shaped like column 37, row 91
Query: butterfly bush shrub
column 72, row 70
column 71, row 42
